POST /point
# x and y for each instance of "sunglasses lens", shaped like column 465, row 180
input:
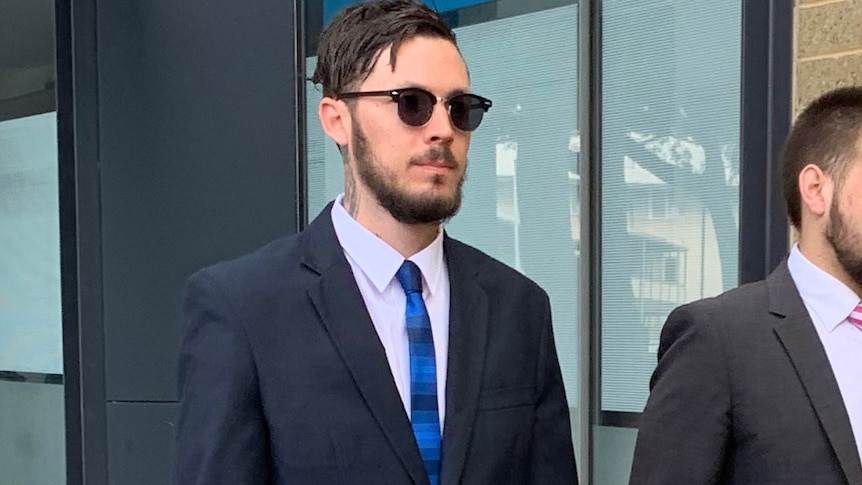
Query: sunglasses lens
column 415, row 106
column 466, row 111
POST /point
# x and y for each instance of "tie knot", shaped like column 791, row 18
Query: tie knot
column 410, row 277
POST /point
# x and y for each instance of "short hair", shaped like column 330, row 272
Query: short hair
column 350, row 45
column 826, row 134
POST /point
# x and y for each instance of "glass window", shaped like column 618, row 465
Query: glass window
column 31, row 364
column 521, row 198
column 669, row 189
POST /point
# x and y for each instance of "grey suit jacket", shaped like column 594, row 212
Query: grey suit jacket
column 744, row 394
column 284, row 380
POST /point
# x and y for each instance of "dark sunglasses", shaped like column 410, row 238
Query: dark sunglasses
column 416, row 105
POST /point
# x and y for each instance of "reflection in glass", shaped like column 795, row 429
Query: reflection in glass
column 31, row 358
column 27, row 73
column 32, row 424
column 30, row 324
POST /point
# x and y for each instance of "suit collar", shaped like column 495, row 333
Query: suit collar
column 468, row 323
column 319, row 244
column 340, row 306
column 802, row 344
column 783, row 296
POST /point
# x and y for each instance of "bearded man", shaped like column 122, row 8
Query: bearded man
column 372, row 348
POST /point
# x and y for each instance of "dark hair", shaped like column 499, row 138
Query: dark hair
column 351, row 44
column 826, row 134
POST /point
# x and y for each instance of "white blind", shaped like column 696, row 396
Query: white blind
column 669, row 186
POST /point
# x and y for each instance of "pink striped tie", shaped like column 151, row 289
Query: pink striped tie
column 856, row 316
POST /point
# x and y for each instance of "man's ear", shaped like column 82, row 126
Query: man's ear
column 815, row 190
column 335, row 119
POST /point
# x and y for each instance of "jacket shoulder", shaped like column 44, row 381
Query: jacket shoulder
column 743, row 299
column 257, row 270
column 494, row 274
column 741, row 312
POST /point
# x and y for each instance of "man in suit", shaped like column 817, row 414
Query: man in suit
column 372, row 348
column 763, row 384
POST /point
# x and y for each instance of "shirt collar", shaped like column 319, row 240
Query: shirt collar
column 830, row 299
column 431, row 263
column 380, row 261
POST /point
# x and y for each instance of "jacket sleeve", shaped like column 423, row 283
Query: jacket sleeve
column 686, row 427
column 221, row 435
column 552, row 455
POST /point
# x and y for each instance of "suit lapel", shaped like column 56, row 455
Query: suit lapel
column 339, row 303
column 802, row 344
column 468, row 321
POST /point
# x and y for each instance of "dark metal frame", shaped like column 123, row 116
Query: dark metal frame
column 31, row 377
column 589, row 315
column 78, row 114
column 80, row 242
column 68, row 242
column 299, row 81
column 767, row 77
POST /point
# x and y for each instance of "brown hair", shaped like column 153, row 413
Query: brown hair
column 826, row 134
column 351, row 44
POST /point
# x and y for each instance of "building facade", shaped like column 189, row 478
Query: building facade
column 630, row 164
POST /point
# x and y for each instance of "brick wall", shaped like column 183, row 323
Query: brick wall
column 828, row 47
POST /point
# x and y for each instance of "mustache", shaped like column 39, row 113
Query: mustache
column 435, row 155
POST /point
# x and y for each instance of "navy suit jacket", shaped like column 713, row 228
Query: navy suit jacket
column 284, row 380
column 744, row 394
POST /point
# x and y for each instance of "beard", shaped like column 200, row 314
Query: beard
column 405, row 207
column 846, row 245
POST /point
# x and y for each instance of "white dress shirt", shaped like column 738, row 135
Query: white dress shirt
column 374, row 264
column 829, row 302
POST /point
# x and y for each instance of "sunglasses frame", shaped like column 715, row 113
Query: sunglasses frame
column 395, row 94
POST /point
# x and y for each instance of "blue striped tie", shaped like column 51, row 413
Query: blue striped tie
column 423, row 371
